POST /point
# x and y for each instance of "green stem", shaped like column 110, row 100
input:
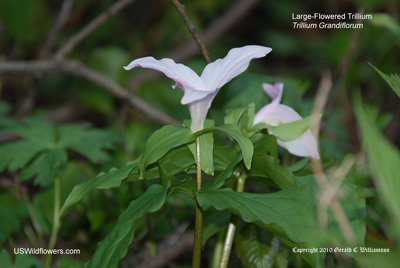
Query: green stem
column 56, row 221
column 230, row 233
column 198, row 228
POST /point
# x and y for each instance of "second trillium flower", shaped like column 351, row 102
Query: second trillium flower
column 275, row 114
column 200, row 91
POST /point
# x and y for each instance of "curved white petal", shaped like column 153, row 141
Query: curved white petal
column 178, row 72
column 304, row 146
column 192, row 95
column 276, row 114
column 275, row 91
column 221, row 71
column 198, row 111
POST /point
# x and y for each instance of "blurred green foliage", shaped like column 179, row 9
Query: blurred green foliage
column 73, row 149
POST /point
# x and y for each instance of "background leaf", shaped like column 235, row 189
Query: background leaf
column 256, row 247
column 114, row 246
column 384, row 162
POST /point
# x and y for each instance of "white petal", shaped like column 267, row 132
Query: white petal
column 221, row 71
column 276, row 114
column 184, row 77
column 198, row 112
column 304, row 146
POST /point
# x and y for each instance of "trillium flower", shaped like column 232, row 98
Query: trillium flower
column 200, row 91
column 275, row 114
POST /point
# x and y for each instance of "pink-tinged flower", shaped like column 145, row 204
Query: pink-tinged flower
column 200, row 91
column 275, row 114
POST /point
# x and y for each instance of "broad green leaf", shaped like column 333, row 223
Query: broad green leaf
column 86, row 141
column 5, row 260
column 266, row 163
column 384, row 161
column 176, row 161
column 223, row 157
column 293, row 130
column 161, row 142
column 298, row 165
column 114, row 246
column 233, row 115
column 111, row 179
column 21, row 260
column 12, row 214
column 37, row 131
column 245, row 144
column 186, row 186
column 256, row 247
column 291, row 208
column 221, row 178
column 69, row 262
column 213, row 223
column 266, row 166
column 12, row 157
column 393, row 80
column 353, row 205
column 45, row 167
column 206, row 149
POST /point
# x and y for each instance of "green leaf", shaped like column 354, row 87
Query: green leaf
column 384, row 161
column 266, row 163
column 245, row 144
column 393, row 80
column 161, row 142
column 206, row 149
column 223, row 157
column 21, row 260
column 298, row 165
column 213, row 223
column 221, row 178
column 68, row 262
column 293, row 130
column 111, row 179
column 233, row 115
column 186, row 186
column 291, row 208
column 12, row 156
column 114, row 246
column 386, row 21
column 353, row 206
column 176, row 161
column 86, row 141
column 5, row 260
column 256, row 247
column 45, row 167
column 266, row 166
column 12, row 213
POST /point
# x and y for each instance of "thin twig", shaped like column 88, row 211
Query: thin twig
column 91, row 27
column 216, row 29
column 319, row 104
column 192, row 29
column 78, row 69
column 54, row 32
column 344, row 67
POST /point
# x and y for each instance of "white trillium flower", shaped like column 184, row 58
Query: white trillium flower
column 200, row 91
column 275, row 114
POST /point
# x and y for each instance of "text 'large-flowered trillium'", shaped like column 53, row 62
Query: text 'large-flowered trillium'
column 200, row 91
column 275, row 114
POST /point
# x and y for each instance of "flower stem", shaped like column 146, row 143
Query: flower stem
column 198, row 228
column 56, row 220
column 230, row 233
